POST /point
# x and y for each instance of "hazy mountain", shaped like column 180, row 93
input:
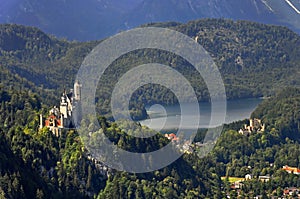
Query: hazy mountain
column 267, row 11
column 74, row 19
column 183, row 10
column 95, row 19
column 41, row 165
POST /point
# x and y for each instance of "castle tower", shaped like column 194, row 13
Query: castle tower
column 77, row 91
column 41, row 121
column 62, row 121
column 251, row 122
column 64, row 106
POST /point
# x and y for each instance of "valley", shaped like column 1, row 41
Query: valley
column 255, row 61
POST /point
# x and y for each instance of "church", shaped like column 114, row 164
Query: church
column 62, row 117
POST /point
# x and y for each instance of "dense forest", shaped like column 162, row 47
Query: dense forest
column 37, row 164
column 254, row 59
column 264, row 153
column 234, row 156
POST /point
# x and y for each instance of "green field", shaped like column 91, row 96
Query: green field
column 232, row 179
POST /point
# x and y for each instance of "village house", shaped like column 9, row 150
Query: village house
column 290, row 191
column 171, row 137
column 292, row 170
column 248, row 177
column 265, row 178
column 237, row 184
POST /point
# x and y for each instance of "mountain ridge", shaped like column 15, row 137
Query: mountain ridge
column 254, row 60
column 96, row 19
column 41, row 165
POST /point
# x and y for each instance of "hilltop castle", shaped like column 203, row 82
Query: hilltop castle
column 255, row 126
column 62, row 117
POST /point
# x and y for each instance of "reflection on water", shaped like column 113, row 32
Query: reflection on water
column 168, row 117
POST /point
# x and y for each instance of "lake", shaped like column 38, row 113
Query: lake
column 168, row 117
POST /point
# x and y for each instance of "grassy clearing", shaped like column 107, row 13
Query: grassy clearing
column 232, row 179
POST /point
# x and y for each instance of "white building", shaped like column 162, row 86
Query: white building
column 62, row 117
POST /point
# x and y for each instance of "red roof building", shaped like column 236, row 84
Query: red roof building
column 172, row 137
column 293, row 170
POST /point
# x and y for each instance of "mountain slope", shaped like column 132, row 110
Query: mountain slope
column 35, row 163
column 184, row 10
column 282, row 112
column 27, row 57
column 266, row 11
column 255, row 60
column 73, row 19
column 95, row 19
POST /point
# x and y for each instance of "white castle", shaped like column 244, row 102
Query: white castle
column 62, row 117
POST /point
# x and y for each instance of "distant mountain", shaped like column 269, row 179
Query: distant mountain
column 184, row 10
column 278, row 12
column 95, row 19
column 74, row 19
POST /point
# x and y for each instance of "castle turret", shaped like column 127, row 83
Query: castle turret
column 77, row 91
column 62, row 121
column 64, row 106
column 251, row 122
column 41, row 121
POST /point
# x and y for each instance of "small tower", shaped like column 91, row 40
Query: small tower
column 251, row 122
column 62, row 121
column 64, row 106
column 77, row 91
column 41, row 121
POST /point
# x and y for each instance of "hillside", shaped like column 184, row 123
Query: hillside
column 36, row 164
column 97, row 19
column 254, row 59
column 262, row 153
column 32, row 60
column 282, row 112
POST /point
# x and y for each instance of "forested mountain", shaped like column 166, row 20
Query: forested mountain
column 32, row 60
column 36, row 67
column 37, row 164
column 96, row 19
column 254, row 59
column 283, row 111
column 263, row 153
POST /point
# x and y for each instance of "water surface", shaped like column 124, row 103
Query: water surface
column 168, row 117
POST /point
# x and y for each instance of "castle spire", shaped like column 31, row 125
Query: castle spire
column 77, row 91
